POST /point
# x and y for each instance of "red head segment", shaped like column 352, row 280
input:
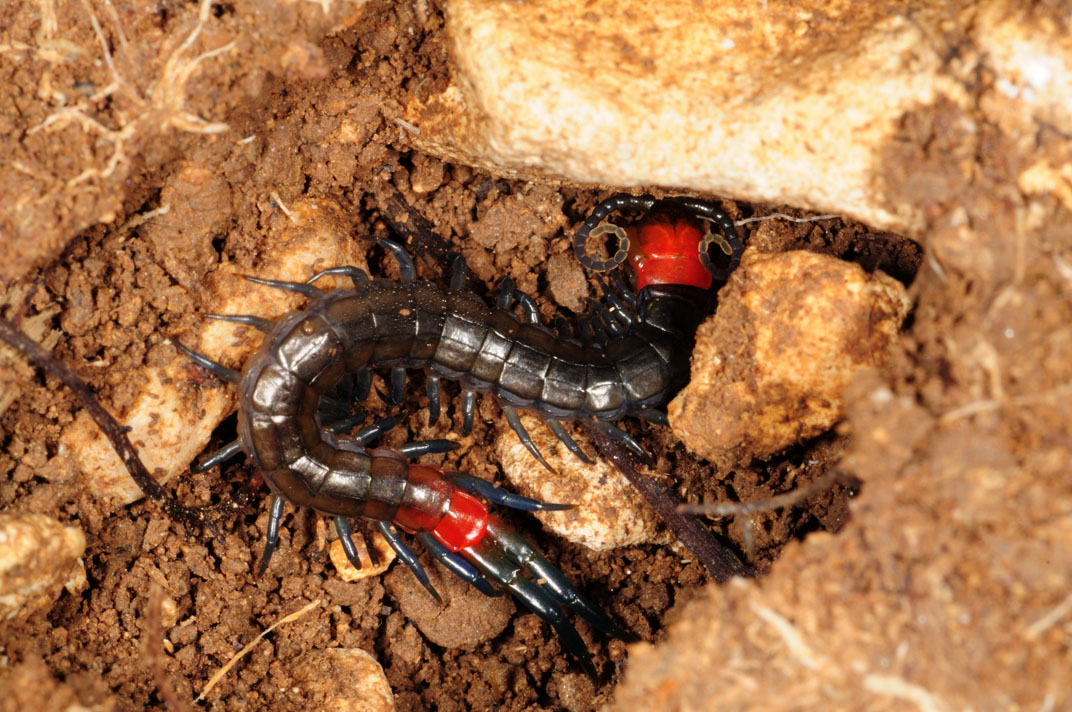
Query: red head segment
column 669, row 245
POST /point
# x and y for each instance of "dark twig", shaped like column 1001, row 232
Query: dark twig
column 112, row 430
column 720, row 562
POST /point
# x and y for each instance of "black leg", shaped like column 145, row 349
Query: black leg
column 626, row 439
column 271, row 539
column 419, row 448
column 457, row 565
column 498, row 495
column 405, row 262
column 408, row 558
column 346, row 537
column 653, row 415
column 625, row 291
column 497, row 566
column 363, row 385
column 357, row 275
column 377, row 429
column 528, row 306
column 433, row 399
column 458, row 273
column 468, row 407
column 554, row 581
column 398, row 385
column 515, row 422
column 256, row 322
column 299, row 287
column 506, row 293
column 213, row 367
column 570, row 443
column 224, row 453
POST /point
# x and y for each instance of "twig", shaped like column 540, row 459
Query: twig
column 720, row 562
column 116, row 434
column 245, row 651
column 783, row 216
column 410, row 224
column 786, row 499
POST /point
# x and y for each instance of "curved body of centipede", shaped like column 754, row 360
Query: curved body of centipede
column 621, row 364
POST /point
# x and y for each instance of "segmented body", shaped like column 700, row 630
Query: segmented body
column 452, row 334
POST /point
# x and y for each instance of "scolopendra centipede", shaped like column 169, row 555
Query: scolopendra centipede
column 622, row 364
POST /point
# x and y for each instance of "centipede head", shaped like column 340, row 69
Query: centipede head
column 670, row 245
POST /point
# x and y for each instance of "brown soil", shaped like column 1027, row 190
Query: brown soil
column 320, row 125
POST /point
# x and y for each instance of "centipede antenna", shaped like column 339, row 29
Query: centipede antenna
column 626, row 292
column 654, row 415
column 433, row 399
column 271, row 537
column 620, row 312
column 363, row 383
column 299, row 287
column 224, row 453
column 505, row 288
column 528, row 306
column 377, row 429
column 504, row 497
column 468, row 407
column 515, row 422
column 259, row 323
column 398, row 385
column 569, row 442
column 458, row 566
column 555, row 582
column 458, row 272
column 626, row 439
column 417, row 448
column 406, row 269
column 346, row 537
column 357, row 275
column 408, row 558
column 213, row 367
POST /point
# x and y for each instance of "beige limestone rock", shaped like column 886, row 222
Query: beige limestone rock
column 771, row 367
column 344, row 680
column 385, row 556
column 38, row 557
column 610, row 513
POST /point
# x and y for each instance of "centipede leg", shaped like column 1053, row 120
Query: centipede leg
column 346, row 537
column 357, row 275
column 258, row 323
column 584, row 331
column 653, row 415
column 606, row 319
column 458, row 566
column 377, row 429
column 406, row 268
column 626, row 439
column 554, row 581
column 458, row 273
column 346, row 424
column 620, row 312
column 418, row 448
column 408, row 557
column 498, row 566
column 224, row 453
column 433, row 399
column 599, row 332
column 468, row 408
column 498, row 495
column 506, row 293
column 515, row 422
column 569, row 442
column 271, row 538
column 528, row 305
column 363, row 384
column 213, row 367
column 563, row 328
column 303, row 288
column 398, row 385
column 625, row 291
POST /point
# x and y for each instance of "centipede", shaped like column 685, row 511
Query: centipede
column 626, row 357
